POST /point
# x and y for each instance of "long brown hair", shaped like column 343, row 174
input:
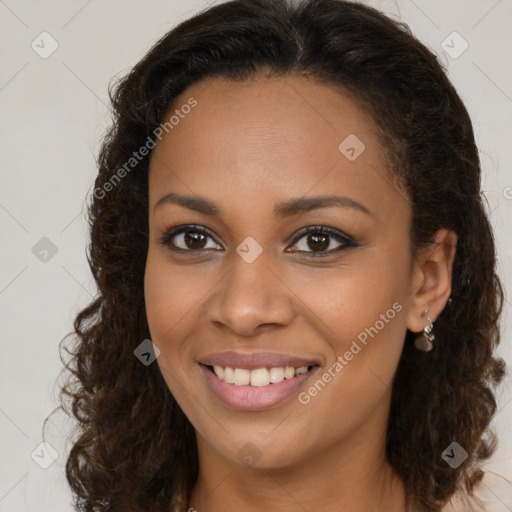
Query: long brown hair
column 136, row 449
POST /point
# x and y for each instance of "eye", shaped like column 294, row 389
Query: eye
column 319, row 239
column 187, row 238
column 190, row 238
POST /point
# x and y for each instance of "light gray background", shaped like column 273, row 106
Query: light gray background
column 54, row 113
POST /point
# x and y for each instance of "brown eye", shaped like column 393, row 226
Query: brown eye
column 194, row 239
column 188, row 238
column 317, row 241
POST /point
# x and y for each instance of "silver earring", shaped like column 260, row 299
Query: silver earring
column 424, row 340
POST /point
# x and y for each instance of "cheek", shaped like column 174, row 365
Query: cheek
column 173, row 298
column 172, row 294
column 356, row 382
column 360, row 299
column 170, row 298
column 361, row 312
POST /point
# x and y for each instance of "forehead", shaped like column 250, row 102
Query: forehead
column 268, row 138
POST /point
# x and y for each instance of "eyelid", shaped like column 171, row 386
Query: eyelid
column 172, row 231
column 320, row 228
column 341, row 237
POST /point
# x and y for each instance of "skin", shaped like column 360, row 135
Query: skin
column 245, row 147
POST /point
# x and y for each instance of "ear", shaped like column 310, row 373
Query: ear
column 431, row 282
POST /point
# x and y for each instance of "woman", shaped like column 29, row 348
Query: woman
column 298, row 302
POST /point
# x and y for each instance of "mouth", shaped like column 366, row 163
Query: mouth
column 254, row 389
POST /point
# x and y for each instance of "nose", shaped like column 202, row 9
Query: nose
column 251, row 298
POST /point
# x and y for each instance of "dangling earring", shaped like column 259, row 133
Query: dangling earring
column 424, row 340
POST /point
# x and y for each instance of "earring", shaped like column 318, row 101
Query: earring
column 424, row 340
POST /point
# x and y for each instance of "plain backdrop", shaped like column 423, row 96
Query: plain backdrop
column 54, row 111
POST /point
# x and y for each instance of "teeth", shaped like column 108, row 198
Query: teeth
column 276, row 375
column 242, row 377
column 229, row 375
column 258, row 377
column 219, row 371
column 289, row 372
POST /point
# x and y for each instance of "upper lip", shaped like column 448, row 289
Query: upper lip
column 253, row 360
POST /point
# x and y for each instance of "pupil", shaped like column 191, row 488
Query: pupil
column 316, row 243
column 193, row 239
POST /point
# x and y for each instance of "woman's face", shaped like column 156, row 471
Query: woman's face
column 246, row 287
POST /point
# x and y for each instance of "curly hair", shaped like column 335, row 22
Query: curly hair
column 136, row 449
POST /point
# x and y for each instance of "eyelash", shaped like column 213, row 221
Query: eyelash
column 346, row 241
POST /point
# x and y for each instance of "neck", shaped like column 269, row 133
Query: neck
column 350, row 475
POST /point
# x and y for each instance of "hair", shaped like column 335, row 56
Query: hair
column 136, row 449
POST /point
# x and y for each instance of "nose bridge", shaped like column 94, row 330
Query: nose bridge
column 251, row 295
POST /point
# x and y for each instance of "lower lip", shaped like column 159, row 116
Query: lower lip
column 254, row 398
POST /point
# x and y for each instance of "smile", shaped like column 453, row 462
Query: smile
column 256, row 389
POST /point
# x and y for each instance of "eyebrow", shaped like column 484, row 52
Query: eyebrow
column 285, row 209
